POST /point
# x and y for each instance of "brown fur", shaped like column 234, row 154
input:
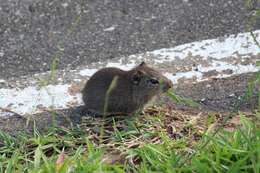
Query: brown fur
column 133, row 89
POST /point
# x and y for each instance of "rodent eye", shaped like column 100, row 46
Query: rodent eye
column 154, row 81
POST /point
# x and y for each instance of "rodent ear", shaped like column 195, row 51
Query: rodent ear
column 142, row 63
column 136, row 77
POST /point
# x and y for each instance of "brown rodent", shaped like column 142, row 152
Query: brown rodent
column 132, row 90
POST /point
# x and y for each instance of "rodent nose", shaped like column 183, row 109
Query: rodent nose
column 167, row 85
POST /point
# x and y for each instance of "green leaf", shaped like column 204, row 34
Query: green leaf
column 257, row 63
column 182, row 100
column 37, row 157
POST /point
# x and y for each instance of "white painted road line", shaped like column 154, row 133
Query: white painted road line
column 235, row 54
column 240, row 45
column 32, row 99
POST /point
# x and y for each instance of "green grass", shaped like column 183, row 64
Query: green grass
column 142, row 144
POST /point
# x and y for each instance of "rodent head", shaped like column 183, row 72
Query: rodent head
column 149, row 82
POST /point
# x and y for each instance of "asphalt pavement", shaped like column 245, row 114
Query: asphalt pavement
column 77, row 32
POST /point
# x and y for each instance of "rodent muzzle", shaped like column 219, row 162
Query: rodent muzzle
column 167, row 85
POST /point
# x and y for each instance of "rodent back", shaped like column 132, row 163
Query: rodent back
column 99, row 82
column 95, row 91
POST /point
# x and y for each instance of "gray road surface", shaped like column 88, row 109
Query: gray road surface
column 77, row 32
